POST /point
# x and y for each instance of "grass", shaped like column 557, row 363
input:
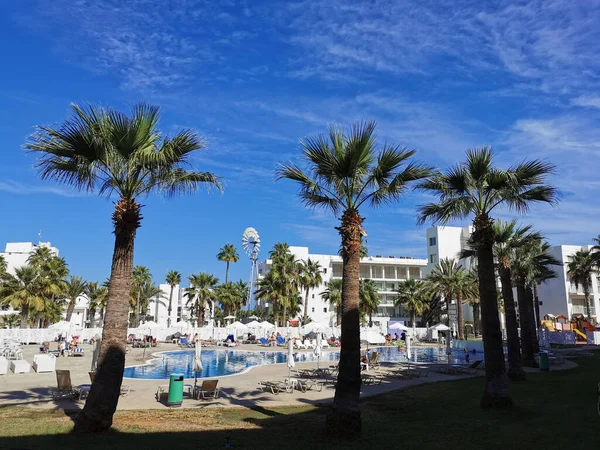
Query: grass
column 553, row 410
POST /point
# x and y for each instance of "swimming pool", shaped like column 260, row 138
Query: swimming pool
column 230, row 362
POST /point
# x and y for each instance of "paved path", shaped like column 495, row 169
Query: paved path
column 32, row 389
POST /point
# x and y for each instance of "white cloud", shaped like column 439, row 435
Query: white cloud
column 18, row 188
column 587, row 101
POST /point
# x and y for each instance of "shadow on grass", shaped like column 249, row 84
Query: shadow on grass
column 552, row 409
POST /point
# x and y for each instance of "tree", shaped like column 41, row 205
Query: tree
column 229, row 296
column 10, row 321
column 173, row 279
column 3, row 267
column 310, row 278
column 476, row 188
column 414, row 295
column 23, row 291
column 580, row 269
column 333, row 294
column 228, row 254
column 345, row 172
column 449, row 279
column 53, row 272
column 75, row 287
column 508, row 239
column 96, row 295
column 369, row 298
column 268, row 291
column 285, row 269
column 141, row 275
column 149, row 292
column 103, row 150
column 201, row 291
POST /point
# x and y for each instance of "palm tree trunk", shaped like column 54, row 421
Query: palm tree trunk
column 477, row 318
column 284, row 314
column 496, row 386
column 226, row 271
column 515, row 369
column 586, row 293
column 344, row 418
column 459, row 316
column 536, row 300
column 275, row 313
column 70, row 309
column 338, row 309
column 531, row 319
column 169, row 308
column 102, row 400
column 370, row 319
column 306, row 303
column 524, row 319
column 24, row 314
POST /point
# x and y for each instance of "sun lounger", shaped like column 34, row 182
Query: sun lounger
column 208, row 389
column 275, row 387
column 263, row 342
column 281, row 341
column 3, row 365
column 304, row 385
column 20, row 366
column 370, row 379
column 77, row 351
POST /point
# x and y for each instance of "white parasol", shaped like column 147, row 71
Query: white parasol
column 318, row 348
column 397, row 326
column 290, row 358
column 197, row 366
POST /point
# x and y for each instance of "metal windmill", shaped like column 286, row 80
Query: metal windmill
column 251, row 244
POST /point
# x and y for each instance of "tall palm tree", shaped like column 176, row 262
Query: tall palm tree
column 140, row 276
column 285, row 269
column 509, row 238
column 103, row 150
column 173, row 279
column 268, row 291
column 75, row 287
column 228, row 254
column 475, row 188
column 310, row 278
column 449, row 279
column 333, row 294
column 345, row 172
column 53, row 273
column 580, row 268
column 369, row 298
column 242, row 297
column 229, row 296
column 414, row 295
column 23, row 291
column 201, row 291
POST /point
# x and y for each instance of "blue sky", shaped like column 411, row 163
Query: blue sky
column 255, row 77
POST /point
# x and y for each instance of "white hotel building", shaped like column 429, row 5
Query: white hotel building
column 385, row 271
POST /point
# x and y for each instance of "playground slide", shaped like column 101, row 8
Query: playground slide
column 580, row 334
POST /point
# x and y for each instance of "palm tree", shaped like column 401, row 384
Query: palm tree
column 596, row 251
column 105, row 150
column 345, row 172
column 268, row 291
column 449, row 280
column 173, row 279
column 228, row 254
column 96, row 294
column 310, row 278
column 333, row 294
column 149, row 292
column 10, row 321
column 201, row 291
column 473, row 298
column 140, row 276
column 509, row 239
column 476, row 188
column 3, row 267
column 23, row 291
column 242, row 295
column 580, row 268
column 414, row 295
column 75, row 287
column 53, row 273
column 229, row 296
column 369, row 298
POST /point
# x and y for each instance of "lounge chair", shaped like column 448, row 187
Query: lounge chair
column 77, row 351
column 183, row 342
column 281, row 341
column 264, row 342
column 230, row 341
column 370, row 379
column 208, row 389
column 298, row 344
column 64, row 387
column 275, row 386
column 304, row 385
column 324, row 344
column 308, row 344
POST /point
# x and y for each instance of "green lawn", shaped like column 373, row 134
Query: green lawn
column 554, row 410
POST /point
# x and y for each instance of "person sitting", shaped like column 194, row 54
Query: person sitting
column 395, row 337
column 44, row 347
column 388, row 339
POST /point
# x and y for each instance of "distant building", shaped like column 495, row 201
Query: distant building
column 387, row 272
column 16, row 254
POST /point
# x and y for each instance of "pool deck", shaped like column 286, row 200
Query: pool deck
column 33, row 389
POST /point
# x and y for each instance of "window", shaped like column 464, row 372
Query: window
column 325, row 310
column 432, row 258
column 313, row 296
column 324, row 270
column 313, row 310
column 432, row 241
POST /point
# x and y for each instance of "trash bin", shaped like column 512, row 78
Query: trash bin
column 544, row 361
column 175, row 390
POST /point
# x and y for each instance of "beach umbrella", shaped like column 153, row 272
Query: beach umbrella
column 440, row 327
column 290, row 358
column 96, row 353
column 238, row 326
column 397, row 326
column 318, row 347
column 197, row 366
column 253, row 324
column 408, row 339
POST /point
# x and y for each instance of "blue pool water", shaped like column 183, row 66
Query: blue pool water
column 229, row 362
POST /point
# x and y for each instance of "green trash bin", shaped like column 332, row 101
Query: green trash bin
column 544, row 361
column 175, row 390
